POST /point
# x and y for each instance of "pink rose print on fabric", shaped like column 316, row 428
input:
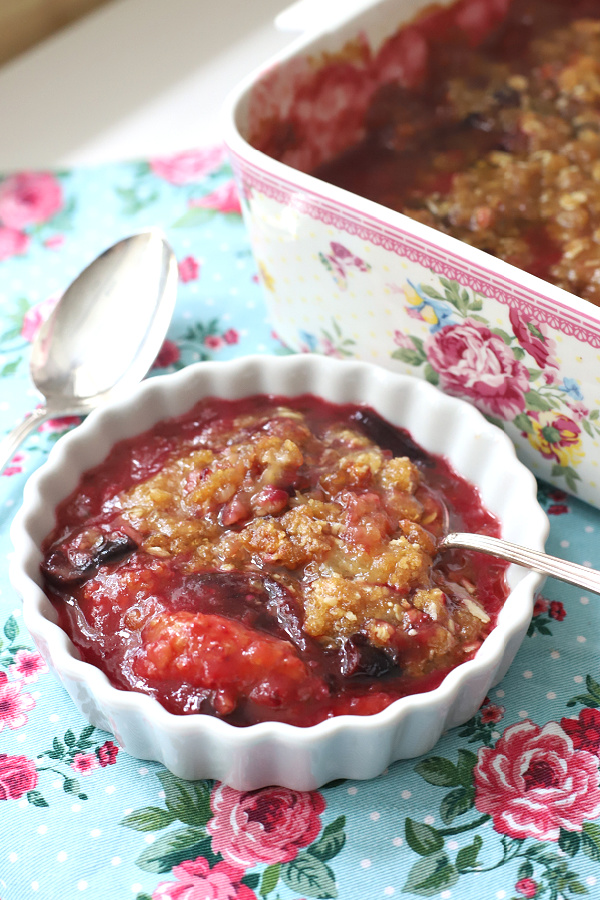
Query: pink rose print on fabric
column 527, row 887
column 224, row 199
column 18, row 775
column 231, row 336
column 492, row 714
column 534, row 782
column 107, row 754
column 266, row 826
column 584, row 731
column 188, row 166
column 12, row 243
column 15, row 466
column 14, row 706
column 533, row 337
column 29, row 198
column 167, row 355
column 85, row 763
column 475, row 363
column 188, row 269
column 35, row 317
column 197, row 881
column 28, row 665
column 213, row 341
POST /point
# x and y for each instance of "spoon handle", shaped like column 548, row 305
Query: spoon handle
column 10, row 443
column 562, row 569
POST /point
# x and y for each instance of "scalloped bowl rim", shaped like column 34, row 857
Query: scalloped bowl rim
column 40, row 618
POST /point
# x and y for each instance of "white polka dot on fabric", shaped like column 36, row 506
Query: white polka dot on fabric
column 523, row 713
column 589, row 529
column 397, row 841
column 374, row 816
column 42, row 829
column 555, row 654
column 389, row 891
column 578, row 679
column 35, row 885
column 550, row 695
column 136, row 888
column 591, row 880
column 581, row 639
column 82, row 885
column 76, row 807
column 528, row 674
column 365, row 863
column 429, row 820
column 110, row 789
column 115, row 861
column 406, row 795
column 584, row 601
column 500, row 693
column 95, row 832
column 62, row 856
column 13, row 857
column 565, row 543
column 353, row 791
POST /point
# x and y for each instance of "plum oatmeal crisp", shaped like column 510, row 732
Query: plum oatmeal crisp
column 271, row 558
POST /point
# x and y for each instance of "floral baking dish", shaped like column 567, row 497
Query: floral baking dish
column 347, row 277
column 197, row 745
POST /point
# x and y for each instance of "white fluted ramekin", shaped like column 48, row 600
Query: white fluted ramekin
column 358, row 747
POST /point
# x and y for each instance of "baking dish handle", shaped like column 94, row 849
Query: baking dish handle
column 313, row 15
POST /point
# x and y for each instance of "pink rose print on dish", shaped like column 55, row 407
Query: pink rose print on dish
column 266, row 826
column 224, row 199
column 28, row 665
column 12, row 242
column 189, row 165
column 476, row 364
column 533, row 337
column 197, row 881
column 29, row 198
column 18, row 775
column 556, row 436
column 534, row 782
column 14, row 706
column 188, row 269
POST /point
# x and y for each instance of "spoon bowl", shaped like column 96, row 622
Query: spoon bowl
column 104, row 333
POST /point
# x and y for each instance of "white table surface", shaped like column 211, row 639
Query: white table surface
column 135, row 78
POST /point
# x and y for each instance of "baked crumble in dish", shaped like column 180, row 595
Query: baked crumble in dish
column 496, row 140
column 272, row 559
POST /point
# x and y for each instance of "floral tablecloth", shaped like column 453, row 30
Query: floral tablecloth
column 505, row 807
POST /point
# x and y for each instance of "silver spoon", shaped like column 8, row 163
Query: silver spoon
column 571, row 572
column 104, row 333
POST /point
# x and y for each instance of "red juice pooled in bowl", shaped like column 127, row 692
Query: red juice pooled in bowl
column 272, row 559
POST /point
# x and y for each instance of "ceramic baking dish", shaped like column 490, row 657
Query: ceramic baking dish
column 347, row 277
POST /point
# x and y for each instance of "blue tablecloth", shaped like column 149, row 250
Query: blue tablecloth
column 505, row 807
